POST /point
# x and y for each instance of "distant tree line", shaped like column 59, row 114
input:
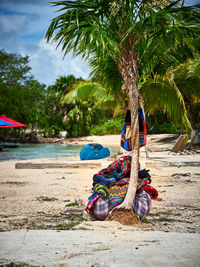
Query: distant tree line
column 24, row 99
column 82, row 107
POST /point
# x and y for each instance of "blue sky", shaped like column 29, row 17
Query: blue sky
column 23, row 24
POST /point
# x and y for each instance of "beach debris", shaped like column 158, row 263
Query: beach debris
column 44, row 165
column 58, row 140
column 75, row 208
column 62, row 178
column 17, row 264
column 72, row 204
column 73, row 214
column 190, row 181
column 66, row 200
column 80, row 202
column 178, row 175
column 66, row 226
column 14, row 183
column 46, row 198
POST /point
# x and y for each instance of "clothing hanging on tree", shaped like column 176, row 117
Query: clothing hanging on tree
column 126, row 139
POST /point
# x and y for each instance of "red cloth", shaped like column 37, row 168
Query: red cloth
column 14, row 123
column 150, row 190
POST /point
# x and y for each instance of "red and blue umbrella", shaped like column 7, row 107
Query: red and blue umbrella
column 6, row 122
column 3, row 123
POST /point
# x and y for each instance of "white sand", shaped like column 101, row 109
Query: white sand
column 169, row 238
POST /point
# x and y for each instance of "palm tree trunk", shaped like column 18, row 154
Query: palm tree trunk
column 190, row 112
column 135, row 155
column 129, row 71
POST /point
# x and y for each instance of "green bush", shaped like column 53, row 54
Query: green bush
column 159, row 123
column 165, row 127
column 52, row 131
column 113, row 126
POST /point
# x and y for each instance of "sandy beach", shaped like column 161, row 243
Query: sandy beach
column 33, row 203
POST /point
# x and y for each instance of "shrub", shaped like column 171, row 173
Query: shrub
column 112, row 126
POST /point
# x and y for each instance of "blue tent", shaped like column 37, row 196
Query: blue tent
column 4, row 123
column 94, row 151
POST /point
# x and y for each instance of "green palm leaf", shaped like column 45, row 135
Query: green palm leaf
column 170, row 99
column 95, row 92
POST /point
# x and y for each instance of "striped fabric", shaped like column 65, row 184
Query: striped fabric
column 102, row 190
column 120, row 167
column 142, row 128
column 125, row 166
column 144, row 181
column 117, row 194
column 126, row 140
column 114, row 166
column 123, row 181
column 101, row 208
column 92, row 199
column 141, row 204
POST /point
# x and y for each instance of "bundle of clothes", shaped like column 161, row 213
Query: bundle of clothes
column 110, row 186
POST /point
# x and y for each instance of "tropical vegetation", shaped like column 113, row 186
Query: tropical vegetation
column 41, row 108
column 21, row 96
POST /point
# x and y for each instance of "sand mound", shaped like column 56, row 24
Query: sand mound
column 123, row 216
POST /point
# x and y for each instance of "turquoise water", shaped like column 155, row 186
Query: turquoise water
column 34, row 151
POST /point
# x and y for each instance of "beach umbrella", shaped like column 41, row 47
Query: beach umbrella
column 11, row 123
column 3, row 123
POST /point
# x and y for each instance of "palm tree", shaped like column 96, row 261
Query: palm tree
column 102, row 97
column 190, row 73
column 125, row 29
column 175, row 91
column 179, row 93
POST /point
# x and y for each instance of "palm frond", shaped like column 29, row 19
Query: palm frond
column 101, row 97
column 170, row 99
column 84, row 90
column 187, row 78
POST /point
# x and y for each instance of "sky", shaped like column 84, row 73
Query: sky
column 23, row 24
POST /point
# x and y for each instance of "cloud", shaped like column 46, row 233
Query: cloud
column 10, row 27
column 12, row 23
column 22, row 26
column 48, row 64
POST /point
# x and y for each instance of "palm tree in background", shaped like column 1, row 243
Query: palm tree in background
column 179, row 93
column 102, row 97
column 127, row 30
column 56, row 92
column 175, row 91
